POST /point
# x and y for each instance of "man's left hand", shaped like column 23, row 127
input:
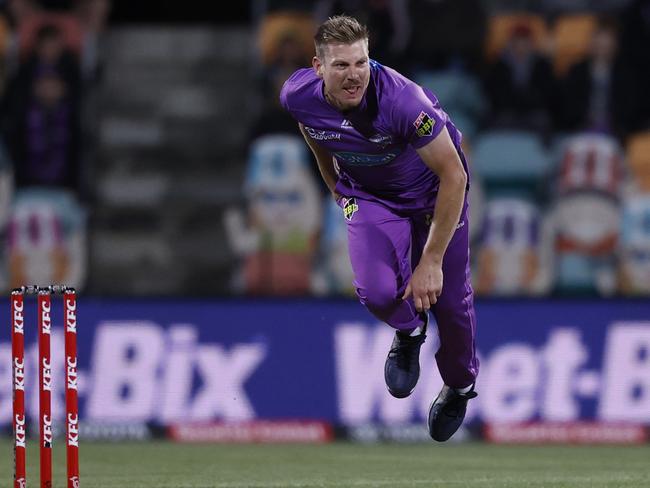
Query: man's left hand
column 425, row 285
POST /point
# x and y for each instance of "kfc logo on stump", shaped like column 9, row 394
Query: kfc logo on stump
column 19, row 374
column 45, row 317
column 71, row 364
column 71, row 316
column 18, row 317
column 73, row 430
column 47, row 431
column 47, row 375
column 20, row 430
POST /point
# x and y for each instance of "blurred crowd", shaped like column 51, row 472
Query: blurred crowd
column 49, row 66
column 551, row 97
column 553, row 103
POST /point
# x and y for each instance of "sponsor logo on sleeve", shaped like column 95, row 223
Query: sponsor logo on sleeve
column 424, row 124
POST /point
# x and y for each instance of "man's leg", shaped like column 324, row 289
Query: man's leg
column 456, row 319
column 380, row 244
column 454, row 310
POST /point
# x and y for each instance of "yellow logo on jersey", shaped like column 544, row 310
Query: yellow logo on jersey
column 350, row 208
column 424, row 124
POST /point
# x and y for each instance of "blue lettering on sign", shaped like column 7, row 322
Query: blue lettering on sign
column 361, row 159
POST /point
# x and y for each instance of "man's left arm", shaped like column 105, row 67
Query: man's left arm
column 441, row 156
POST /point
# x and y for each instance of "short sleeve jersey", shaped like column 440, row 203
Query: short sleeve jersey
column 375, row 143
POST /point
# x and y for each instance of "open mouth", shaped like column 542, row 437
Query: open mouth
column 351, row 90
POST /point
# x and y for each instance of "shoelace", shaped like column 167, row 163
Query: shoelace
column 401, row 350
column 454, row 406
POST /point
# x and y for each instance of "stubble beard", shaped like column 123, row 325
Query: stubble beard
column 336, row 104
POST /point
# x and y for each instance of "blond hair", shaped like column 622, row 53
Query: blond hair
column 339, row 29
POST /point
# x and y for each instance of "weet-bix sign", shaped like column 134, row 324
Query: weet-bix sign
column 196, row 361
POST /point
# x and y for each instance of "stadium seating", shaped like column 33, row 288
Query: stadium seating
column 46, row 238
column 67, row 23
column 570, row 39
column 460, row 96
column 586, row 229
column 6, row 196
column 591, row 162
column 638, row 157
column 5, row 36
column 167, row 137
column 500, row 27
column 635, row 245
column 509, row 258
column 511, row 161
column 476, row 197
column 284, row 212
column 6, row 186
column 158, row 108
column 274, row 26
column 586, row 213
column 333, row 272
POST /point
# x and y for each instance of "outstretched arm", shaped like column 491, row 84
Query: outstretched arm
column 325, row 162
column 441, row 157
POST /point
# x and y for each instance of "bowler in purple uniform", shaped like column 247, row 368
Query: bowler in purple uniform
column 392, row 159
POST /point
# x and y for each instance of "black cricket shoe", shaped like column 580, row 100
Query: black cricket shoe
column 447, row 412
column 402, row 368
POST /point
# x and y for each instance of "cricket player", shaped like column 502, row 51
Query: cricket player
column 392, row 159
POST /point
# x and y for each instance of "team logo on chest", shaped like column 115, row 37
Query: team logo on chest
column 382, row 140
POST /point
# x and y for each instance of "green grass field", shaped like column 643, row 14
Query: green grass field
column 166, row 465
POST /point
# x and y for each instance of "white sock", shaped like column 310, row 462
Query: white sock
column 464, row 390
column 416, row 332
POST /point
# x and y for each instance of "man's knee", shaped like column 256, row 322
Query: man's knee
column 380, row 297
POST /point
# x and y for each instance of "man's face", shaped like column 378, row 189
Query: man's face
column 345, row 72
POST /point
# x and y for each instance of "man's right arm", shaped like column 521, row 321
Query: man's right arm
column 325, row 162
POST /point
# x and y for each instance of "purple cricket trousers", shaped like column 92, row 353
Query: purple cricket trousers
column 384, row 249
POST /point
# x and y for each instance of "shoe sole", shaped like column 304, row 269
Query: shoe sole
column 434, row 435
column 401, row 395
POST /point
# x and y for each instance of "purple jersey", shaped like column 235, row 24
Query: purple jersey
column 375, row 143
